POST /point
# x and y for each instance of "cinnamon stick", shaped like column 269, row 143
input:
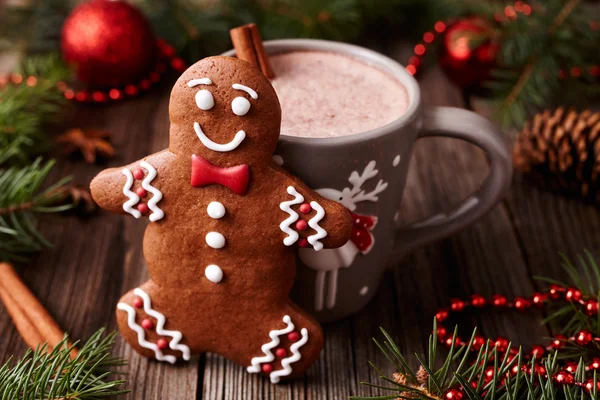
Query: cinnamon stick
column 33, row 322
column 249, row 47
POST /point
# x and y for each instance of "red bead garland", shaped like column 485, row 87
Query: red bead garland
column 555, row 293
column 166, row 58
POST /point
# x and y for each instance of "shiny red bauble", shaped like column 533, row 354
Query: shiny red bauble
column 583, row 338
column 538, row 299
column 558, row 342
column 537, row 351
column 564, row 378
column 442, row 315
column 589, row 385
column 555, row 291
column 457, row 305
column 501, row 343
column 571, row 366
column 478, row 343
column 594, row 364
column 522, row 303
column 468, row 51
column 110, row 43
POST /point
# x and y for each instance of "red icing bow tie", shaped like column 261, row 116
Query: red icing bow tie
column 235, row 178
column 361, row 232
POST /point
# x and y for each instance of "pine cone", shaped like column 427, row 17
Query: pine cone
column 561, row 149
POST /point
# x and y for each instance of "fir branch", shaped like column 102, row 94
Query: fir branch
column 25, row 109
column 21, row 199
column 55, row 376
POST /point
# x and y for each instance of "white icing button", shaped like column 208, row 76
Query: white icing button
column 205, row 100
column 396, row 161
column 278, row 159
column 363, row 291
column 215, row 240
column 240, row 106
column 215, row 210
column 213, row 273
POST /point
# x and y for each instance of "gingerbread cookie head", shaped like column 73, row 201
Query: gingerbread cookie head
column 224, row 110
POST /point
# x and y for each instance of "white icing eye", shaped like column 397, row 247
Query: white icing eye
column 240, row 106
column 205, row 100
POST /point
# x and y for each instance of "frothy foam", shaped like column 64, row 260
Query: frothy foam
column 328, row 95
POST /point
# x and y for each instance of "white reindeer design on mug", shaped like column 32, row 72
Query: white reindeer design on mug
column 328, row 262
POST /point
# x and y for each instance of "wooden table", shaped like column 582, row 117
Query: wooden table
column 95, row 261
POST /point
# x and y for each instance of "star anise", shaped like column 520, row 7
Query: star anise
column 90, row 143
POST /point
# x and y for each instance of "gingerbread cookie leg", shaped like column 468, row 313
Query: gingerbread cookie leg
column 144, row 322
column 291, row 345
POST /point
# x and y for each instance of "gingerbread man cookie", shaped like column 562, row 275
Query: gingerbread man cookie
column 224, row 222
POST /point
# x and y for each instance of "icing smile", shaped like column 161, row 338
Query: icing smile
column 223, row 148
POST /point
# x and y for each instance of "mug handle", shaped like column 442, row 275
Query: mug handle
column 473, row 128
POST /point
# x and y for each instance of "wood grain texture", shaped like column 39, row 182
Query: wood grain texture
column 98, row 259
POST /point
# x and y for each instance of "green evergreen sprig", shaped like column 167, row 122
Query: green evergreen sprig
column 21, row 200
column 510, row 378
column 26, row 110
column 55, row 375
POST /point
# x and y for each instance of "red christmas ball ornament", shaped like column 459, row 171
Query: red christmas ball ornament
column 457, row 305
column 538, row 299
column 537, row 351
column 442, row 315
column 571, row 366
column 589, row 385
column 478, row 343
column 555, row 291
column 522, row 303
column 594, row 364
column 501, row 343
column 441, row 332
column 110, row 43
column 468, row 51
column 499, row 301
column 558, row 342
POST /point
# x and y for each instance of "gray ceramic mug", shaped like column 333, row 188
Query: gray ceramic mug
column 367, row 172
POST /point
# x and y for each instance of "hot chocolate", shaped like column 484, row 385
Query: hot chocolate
column 327, row 95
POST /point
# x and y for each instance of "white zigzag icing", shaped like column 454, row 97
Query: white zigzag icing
column 160, row 323
column 267, row 347
column 314, row 223
column 157, row 213
column 133, row 197
column 285, row 225
column 296, row 356
column 142, row 334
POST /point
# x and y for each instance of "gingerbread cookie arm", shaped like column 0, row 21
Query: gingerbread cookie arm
column 327, row 224
column 134, row 189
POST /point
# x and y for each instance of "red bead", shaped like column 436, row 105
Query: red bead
column 539, row 299
column 571, row 366
column 267, row 368
column 591, row 307
column 147, row 324
column 583, row 338
column 589, row 385
column 442, row 315
column 305, row 208
column 573, row 294
column 293, row 336
column 501, row 343
column 301, row 225
column 537, row 351
column 522, row 303
column 499, row 301
column 138, row 173
column 564, row 378
column 477, row 301
column 594, row 364
column 143, row 208
column 162, row 344
column 478, row 343
column 488, row 373
column 539, row 369
column 280, row 352
column 558, row 342
column 303, row 242
column 453, row 394
column 131, row 90
column 441, row 332
column 115, row 94
column 141, row 192
column 448, row 342
column 555, row 291
column 138, row 303
column 457, row 305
